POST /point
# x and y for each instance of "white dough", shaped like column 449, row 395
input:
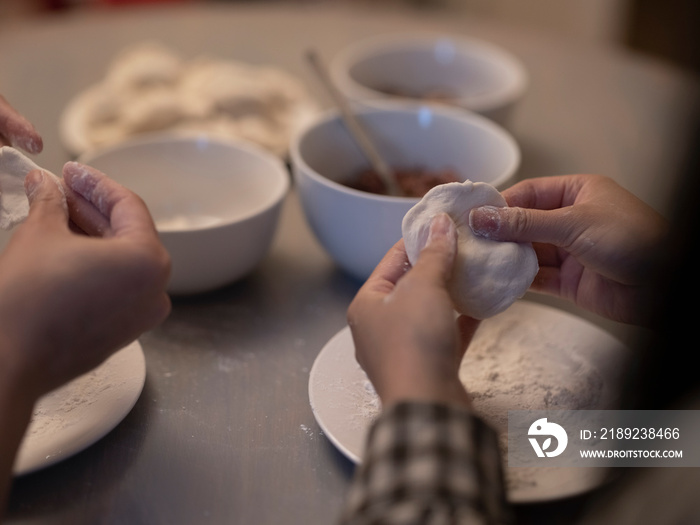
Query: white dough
column 149, row 88
column 14, row 205
column 154, row 109
column 144, row 65
column 488, row 275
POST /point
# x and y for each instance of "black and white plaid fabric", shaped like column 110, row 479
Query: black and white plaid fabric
column 428, row 464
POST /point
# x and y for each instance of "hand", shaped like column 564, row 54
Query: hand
column 406, row 336
column 597, row 244
column 68, row 301
column 15, row 130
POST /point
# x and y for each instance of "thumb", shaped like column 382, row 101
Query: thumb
column 437, row 257
column 47, row 200
column 523, row 224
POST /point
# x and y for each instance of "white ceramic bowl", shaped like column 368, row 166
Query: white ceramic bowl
column 215, row 203
column 480, row 77
column 357, row 228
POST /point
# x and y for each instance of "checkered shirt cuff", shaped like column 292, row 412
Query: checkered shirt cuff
column 429, row 464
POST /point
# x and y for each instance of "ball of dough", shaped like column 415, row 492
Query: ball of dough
column 488, row 275
column 144, row 65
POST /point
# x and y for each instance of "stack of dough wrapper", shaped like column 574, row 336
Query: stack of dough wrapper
column 149, row 88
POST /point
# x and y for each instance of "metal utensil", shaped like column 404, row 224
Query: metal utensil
column 355, row 128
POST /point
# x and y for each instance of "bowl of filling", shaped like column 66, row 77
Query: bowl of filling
column 215, row 202
column 345, row 202
column 438, row 69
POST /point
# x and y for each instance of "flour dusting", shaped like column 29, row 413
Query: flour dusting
column 519, row 360
column 74, row 416
column 60, row 409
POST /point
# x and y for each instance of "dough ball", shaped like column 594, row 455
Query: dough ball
column 488, row 275
column 155, row 109
column 144, row 65
column 225, row 86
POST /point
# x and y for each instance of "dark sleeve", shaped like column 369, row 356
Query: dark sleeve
column 428, row 463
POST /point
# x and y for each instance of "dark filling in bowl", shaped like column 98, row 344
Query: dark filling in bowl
column 414, row 182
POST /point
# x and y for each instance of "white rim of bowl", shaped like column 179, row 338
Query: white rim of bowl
column 170, row 137
column 396, row 107
column 343, row 61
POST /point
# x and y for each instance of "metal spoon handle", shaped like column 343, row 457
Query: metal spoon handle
column 356, row 130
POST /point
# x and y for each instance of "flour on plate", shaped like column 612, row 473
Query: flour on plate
column 77, row 414
column 521, row 360
column 53, row 413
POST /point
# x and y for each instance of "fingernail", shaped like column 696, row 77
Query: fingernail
column 77, row 169
column 23, row 135
column 441, row 226
column 31, row 144
column 485, row 220
column 85, row 180
column 80, row 177
column 32, row 182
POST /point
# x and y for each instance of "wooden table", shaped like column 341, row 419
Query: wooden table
column 223, row 432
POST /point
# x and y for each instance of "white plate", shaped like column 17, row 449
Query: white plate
column 530, row 357
column 73, row 417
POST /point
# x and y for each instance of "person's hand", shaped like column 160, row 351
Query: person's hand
column 67, row 301
column 597, row 244
column 407, row 338
column 17, row 131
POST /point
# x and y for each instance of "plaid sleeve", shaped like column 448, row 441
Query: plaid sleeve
column 428, row 464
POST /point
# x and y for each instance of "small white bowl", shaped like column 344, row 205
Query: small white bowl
column 215, row 203
column 479, row 76
column 357, row 228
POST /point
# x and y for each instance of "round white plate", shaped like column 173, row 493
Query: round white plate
column 73, row 417
column 530, row 357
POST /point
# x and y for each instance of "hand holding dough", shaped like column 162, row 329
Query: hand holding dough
column 14, row 206
column 488, row 275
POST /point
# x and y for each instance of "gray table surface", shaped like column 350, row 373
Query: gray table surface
column 223, row 432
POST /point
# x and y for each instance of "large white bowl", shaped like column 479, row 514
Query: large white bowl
column 215, row 203
column 357, row 228
column 482, row 77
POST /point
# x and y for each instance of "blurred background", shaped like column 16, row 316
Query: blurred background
column 665, row 29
